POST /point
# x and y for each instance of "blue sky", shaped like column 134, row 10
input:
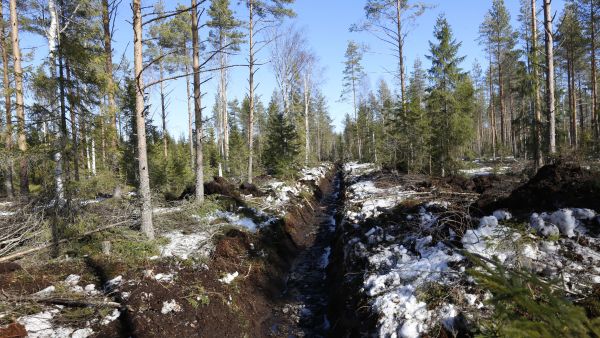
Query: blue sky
column 326, row 24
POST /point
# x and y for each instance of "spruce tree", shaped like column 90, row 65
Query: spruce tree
column 450, row 102
column 282, row 147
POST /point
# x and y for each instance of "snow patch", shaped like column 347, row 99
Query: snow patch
column 228, row 278
column 170, row 306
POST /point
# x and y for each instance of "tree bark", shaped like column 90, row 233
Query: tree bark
column 251, row 85
column 20, row 106
column 108, row 68
column 145, row 195
column 594, row 83
column 197, row 105
column 306, row 122
column 401, row 53
column 537, row 103
column 73, row 116
column 190, row 111
column 163, row 108
column 550, row 77
column 492, row 111
column 8, row 180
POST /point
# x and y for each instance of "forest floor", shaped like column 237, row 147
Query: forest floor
column 342, row 251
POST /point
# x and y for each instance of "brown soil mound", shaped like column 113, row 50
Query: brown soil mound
column 250, row 189
column 218, row 186
column 477, row 184
column 554, row 186
column 9, row 267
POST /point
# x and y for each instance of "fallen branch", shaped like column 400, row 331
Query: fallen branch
column 67, row 302
column 46, row 246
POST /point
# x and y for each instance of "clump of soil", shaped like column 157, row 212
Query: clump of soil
column 250, row 189
column 477, row 184
column 9, row 267
column 554, row 186
column 218, row 186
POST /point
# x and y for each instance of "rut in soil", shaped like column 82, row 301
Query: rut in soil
column 306, row 286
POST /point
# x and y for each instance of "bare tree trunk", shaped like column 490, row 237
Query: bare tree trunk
column 550, row 76
column 572, row 101
column 197, row 105
column 359, row 146
column 537, row 103
column 108, row 68
column 594, row 83
column 73, row 116
column 145, row 195
column 190, row 112
column 163, row 108
column 401, row 53
column 306, row 124
column 8, row 180
column 492, row 112
column 53, row 40
column 20, row 106
column 223, row 95
column 501, row 98
column 251, row 85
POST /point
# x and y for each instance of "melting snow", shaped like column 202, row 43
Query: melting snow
column 170, row 306
column 228, row 278
column 185, row 245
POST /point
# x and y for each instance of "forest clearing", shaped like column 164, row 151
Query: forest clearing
column 272, row 168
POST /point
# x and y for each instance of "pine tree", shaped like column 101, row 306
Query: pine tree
column 226, row 39
column 450, row 102
column 570, row 39
column 498, row 36
column 353, row 74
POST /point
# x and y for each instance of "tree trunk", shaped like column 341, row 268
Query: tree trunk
column 251, row 85
column 73, row 116
column 8, row 179
column 190, row 111
column 537, row 103
column 20, row 106
column 145, row 195
column 501, row 99
column 197, row 105
column 550, row 77
column 401, row 53
column 492, row 112
column 223, row 96
column 108, row 68
column 163, row 108
column 306, row 124
column 596, row 131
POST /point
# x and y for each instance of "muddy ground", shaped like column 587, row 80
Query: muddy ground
column 293, row 278
column 279, row 290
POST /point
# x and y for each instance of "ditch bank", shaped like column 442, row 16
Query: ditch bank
column 271, row 282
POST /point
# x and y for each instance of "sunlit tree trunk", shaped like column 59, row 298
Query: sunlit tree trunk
column 537, row 103
column 251, row 85
column 197, row 105
column 550, row 77
column 20, row 105
column 145, row 194
column 8, row 179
